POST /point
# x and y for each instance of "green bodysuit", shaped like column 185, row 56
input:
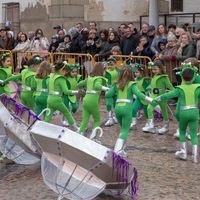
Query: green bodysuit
column 142, row 84
column 41, row 93
column 90, row 104
column 159, row 84
column 124, row 105
column 188, row 97
column 58, row 86
column 112, row 76
column 5, row 72
column 27, row 77
column 72, row 99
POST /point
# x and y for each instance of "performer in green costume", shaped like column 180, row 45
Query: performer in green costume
column 112, row 75
column 58, row 86
column 72, row 78
column 125, row 88
column 142, row 83
column 188, row 98
column 5, row 72
column 41, row 85
column 193, row 63
column 94, row 84
column 159, row 84
column 27, row 77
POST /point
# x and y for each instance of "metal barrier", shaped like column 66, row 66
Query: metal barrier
column 20, row 58
column 86, row 61
column 11, row 56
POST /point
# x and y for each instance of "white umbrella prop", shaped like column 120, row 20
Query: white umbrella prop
column 15, row 139
column 76, row 167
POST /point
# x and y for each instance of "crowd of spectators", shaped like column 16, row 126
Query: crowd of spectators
column 161, row 42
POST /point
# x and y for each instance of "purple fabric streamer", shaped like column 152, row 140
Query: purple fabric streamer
column 157, row 116
column 122, row 167
column 19, row 108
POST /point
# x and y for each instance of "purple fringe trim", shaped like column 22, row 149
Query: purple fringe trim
column 158, row 116
column 122, row 167
column 19, row 108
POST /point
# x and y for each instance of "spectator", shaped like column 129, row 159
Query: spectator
column 64, row 47
column 143, row 49
column 17, row 39
column 145, row 29
column 103, row 40
column 77, row 42
column 41, row 43
column 161, row 33
column 53, row 44
column 93, row 34
column 151, row 34
column 31, row 36
column 79, row 26
column 92, row 26
column 186, row 48
column 132, row 28
column 171, row 29
column 196, row 37
column 3, row 39
column 20, row 50
column 10, row 44
column 178, row 32
column 113, row 40
column 90, row 47
column 129, row 43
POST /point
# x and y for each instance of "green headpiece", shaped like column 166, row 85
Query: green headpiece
column 7, row 54
column 70, row 66
column 187, row 65
column 137, row 66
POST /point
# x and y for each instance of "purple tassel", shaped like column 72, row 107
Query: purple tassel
column 122, row 167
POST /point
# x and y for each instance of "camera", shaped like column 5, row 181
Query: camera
column 192, row 25
column 37, row 38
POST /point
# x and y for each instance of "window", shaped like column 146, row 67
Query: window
column 177, row 5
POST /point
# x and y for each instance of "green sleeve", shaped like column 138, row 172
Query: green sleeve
column 146, row 83
column 111, row 92
column 63, row 85
column 137, row 92
column 13, row 78
column 33, row 84
column 171, row 94
column 168, row 84
column 82, row 83
column 98, row 84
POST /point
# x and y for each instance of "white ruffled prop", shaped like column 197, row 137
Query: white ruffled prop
column 76, row 167
column 15, row 141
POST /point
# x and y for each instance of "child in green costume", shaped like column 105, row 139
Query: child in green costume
column 112, row 75
column 72, row 78
column 159, row 84
column 58, row 87
column 27, row 77
column 94, row 83
column 5, row 72
column 193, row 63
column 41, row 84
column 125, row 88
column 188, row 99
column 142, row 83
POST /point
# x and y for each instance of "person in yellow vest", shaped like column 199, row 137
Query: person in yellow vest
column 125, row 88
column 27, row 77
column 40, row 82
column 142, row 83
column 72, row 78
column 5, row 72
column 58, row 87
column 94, row 83
column 159, row 84
column 188, row 95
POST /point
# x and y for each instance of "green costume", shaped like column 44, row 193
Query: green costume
column 58, row 86
column 124, row 104
column 91, row 101
column 142, row 84
column 158, row 86
column 5, row 72
column 41, row 94
column 72, row 99
column 188, row 97
column 112, row 76
column 27, row 77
